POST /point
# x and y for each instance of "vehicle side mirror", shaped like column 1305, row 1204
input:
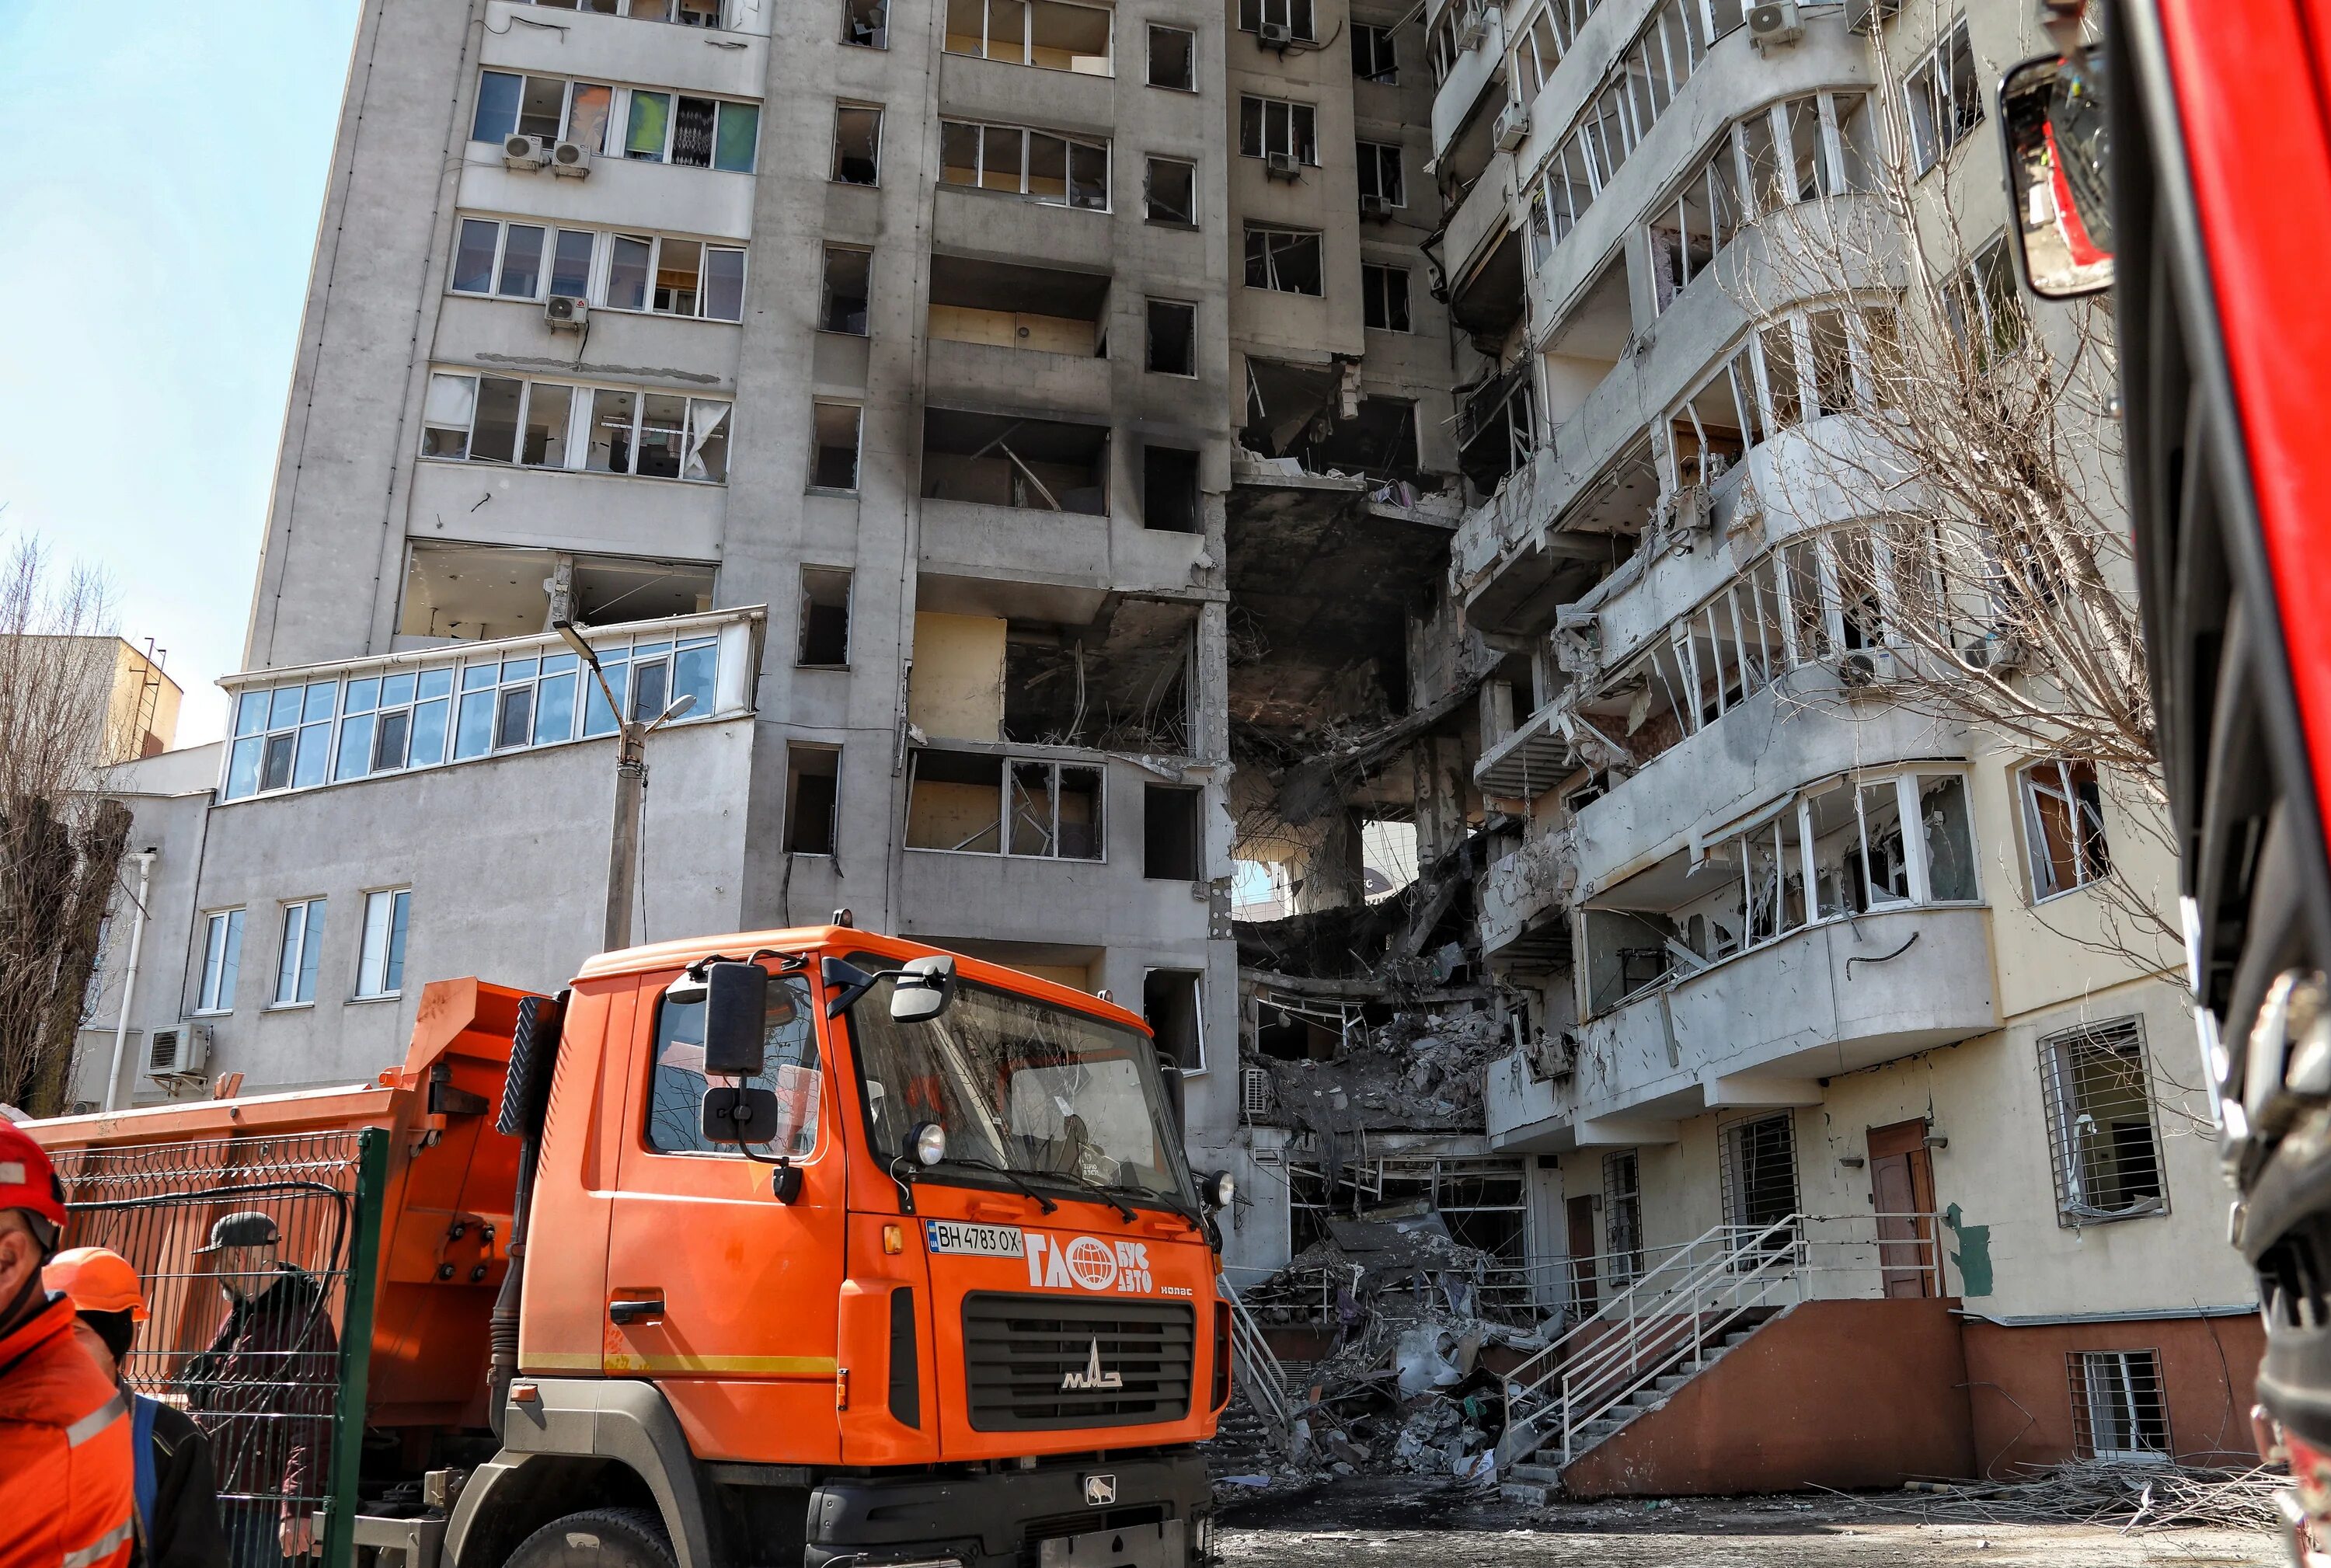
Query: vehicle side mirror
column 736, row 1005
column 1171, row 1071
column 923, row 989
column 735, row 1115
column 2051, row 112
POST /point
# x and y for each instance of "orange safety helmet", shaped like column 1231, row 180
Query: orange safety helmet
column 98, row 1279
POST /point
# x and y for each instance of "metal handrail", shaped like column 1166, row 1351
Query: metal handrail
column 1256, row 1369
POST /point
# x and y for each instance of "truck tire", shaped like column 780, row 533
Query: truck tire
column 597, row 1538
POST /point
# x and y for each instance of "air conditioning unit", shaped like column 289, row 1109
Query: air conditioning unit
column 525, row 153
column 1865, row 667
column 1375, row 207
column 1775, row 24
column 1472, row 29
column 1513, row 127
column 565, row 312
column 1276, row 35
column 1865, row 15
column 1256, row 1098
column 1993, row 654
column 179, row 1050
column 571, row 159
column 1688, row 509
column 1283, row 165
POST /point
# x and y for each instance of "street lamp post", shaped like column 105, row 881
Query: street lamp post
column 630, row 790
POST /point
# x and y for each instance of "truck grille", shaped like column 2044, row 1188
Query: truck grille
column 1018, row 1349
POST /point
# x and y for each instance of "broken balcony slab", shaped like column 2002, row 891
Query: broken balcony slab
column 1539, row 755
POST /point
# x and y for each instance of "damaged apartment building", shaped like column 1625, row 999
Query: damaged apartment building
column 1270, row 510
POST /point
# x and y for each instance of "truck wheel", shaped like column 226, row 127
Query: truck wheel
column 597, row 1538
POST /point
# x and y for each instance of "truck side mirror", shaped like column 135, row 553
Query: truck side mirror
column 731, row 1114
column 2051, row 113
column 923, row 989
column 735, row 1004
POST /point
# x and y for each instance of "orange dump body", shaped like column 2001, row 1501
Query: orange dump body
column 843, row 1329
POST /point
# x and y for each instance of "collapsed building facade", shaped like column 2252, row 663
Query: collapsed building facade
column 1267, row 509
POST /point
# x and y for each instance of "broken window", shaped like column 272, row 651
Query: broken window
column 1373, row 57
column 501, row 418
column 1687, row 233
column 1496, row 428
column 857, row 145
column 1056, row 170
column 833, row 446
column 1173, row 338
column 1173, row 843
column 2119, row 1410
column 1273, row 125
column 1003, row 460
column 1055, row 811
column 1050, row 34
column 1942, row 98
column 1173, row 58
column 812, row 777
column 843, row 299
column 1173, row 1004
column 1295, row 15
column 824, row 618
column 1983, row 307
column 1833, row 363
column 1008, row 305
column 2102, row 1137
column 1169, row 489
column 674, row 277
column 686, row 13
column 1380, row 174
column 1383, row 297
column 866, row 24
column 1284, row 260
column 482, row 592
column 1170, row 192
column 2063, row 826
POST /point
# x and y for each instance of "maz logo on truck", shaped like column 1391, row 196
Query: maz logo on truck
column 1090, row 1262
column 1091, row 1379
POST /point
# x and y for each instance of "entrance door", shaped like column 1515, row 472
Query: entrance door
column 1902, row 1195
column 1583, row 1296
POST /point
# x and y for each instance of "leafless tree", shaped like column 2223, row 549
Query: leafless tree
column 1996, row 590
column 61, row 837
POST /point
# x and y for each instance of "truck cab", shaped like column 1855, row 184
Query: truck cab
column 930, row 1283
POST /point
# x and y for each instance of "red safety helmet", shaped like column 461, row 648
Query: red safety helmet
column 27, row 1180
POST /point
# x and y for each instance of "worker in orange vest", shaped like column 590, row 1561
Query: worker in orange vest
column 67, row 1473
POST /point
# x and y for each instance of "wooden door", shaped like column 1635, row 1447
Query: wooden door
column 1583, row 1294
column 1902, row 1196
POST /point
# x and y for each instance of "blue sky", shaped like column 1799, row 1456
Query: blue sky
column 163, row 168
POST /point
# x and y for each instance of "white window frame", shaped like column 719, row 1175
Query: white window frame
column 295, row 731
column 1374, row 282
column 1148, row 326
column 1373, row 157
column 656, row 244
column 672, row 16
column 1287, row 109
column 1384, row 54
column 1929, row 86
column 1028, row 39
column 618, row 108
column 1005, row 808
column 1198, row 997
column 1149, row 42
column 366, row 722
column 575, row 457
column 1283, row 11
column 1149, row 165
column 223, row 932
column 2028, row 789
column 2120, row 1394
column 619, row 128
column 1270, row 265
column 299, row 958
column 381, row 947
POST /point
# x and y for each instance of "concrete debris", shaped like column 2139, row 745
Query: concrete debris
column 2096, row 1492
column 1421, row 1071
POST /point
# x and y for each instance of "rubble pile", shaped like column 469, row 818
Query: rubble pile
column 1419, row 1071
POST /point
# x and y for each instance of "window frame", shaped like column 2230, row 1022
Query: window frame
column 582, row 414
column 255, row 719
column 1935, row 119
column 981, row 129
column 1151, row 304
column 1371, row 159
column 2064, row 1111
column 1253, row 13
column 857, row 448
column 222, row 961
column 2086, row 817
column 1288, row 109
column 1382, row 54
column 380, row 972
column 881, row 34
column 1028, row 59
column 1376, row 298
column 298, row 963
column 1149, row 67
column 656, row 242
column 1150, row 162
column 828, row 250
column 833, row 165
column 1267, row 233
column 2082, row 1366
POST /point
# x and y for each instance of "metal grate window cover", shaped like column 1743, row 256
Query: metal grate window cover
column 1622, row 1216
column 1760, row 1174
column 253, row 1358
column 2104, row 1141
column 1020, row 1350
column 2118, row 1409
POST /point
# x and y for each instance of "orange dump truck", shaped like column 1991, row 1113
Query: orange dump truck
column 810, row 1247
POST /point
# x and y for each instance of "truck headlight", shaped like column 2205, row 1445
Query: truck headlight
column 1219, row 1189
column 928, row 1143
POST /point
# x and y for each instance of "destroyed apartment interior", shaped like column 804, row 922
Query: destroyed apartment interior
column 1282, row 514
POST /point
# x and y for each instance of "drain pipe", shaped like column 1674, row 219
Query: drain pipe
column 129, row 980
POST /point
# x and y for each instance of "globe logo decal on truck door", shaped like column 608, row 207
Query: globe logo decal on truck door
column 1093, row 1262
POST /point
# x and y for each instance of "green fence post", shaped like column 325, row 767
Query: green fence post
column 355, row 1348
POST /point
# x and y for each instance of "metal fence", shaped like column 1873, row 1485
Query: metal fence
column 267, row 1352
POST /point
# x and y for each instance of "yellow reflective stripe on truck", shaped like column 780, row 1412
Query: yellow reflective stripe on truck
column 820, row 1367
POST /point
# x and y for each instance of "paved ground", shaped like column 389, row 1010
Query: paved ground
column 1372, row 1523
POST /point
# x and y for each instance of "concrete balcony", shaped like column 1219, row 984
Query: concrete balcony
column 1480, row 219
column 591, row 47
column 1524, row 921
column 990, row 375
column 1757, row 1029
column 1010, row 228
column 1099, row 555
column 668, row 197
column 1476, row 71
column 1537, row 755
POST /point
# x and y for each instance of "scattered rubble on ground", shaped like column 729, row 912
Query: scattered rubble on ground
column 2096, row 1492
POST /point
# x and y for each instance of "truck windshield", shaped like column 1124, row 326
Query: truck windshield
column 1039, row 1090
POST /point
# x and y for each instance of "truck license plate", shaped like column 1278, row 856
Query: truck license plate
column 1161, row 1545
column 973, row 1240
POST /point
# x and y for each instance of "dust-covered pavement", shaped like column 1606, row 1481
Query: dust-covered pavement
column 1367, row 1523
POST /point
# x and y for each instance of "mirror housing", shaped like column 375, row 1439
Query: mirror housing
column 736, row 1004
column 923, row 989
column 2051, row 117
column 734, row 1114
